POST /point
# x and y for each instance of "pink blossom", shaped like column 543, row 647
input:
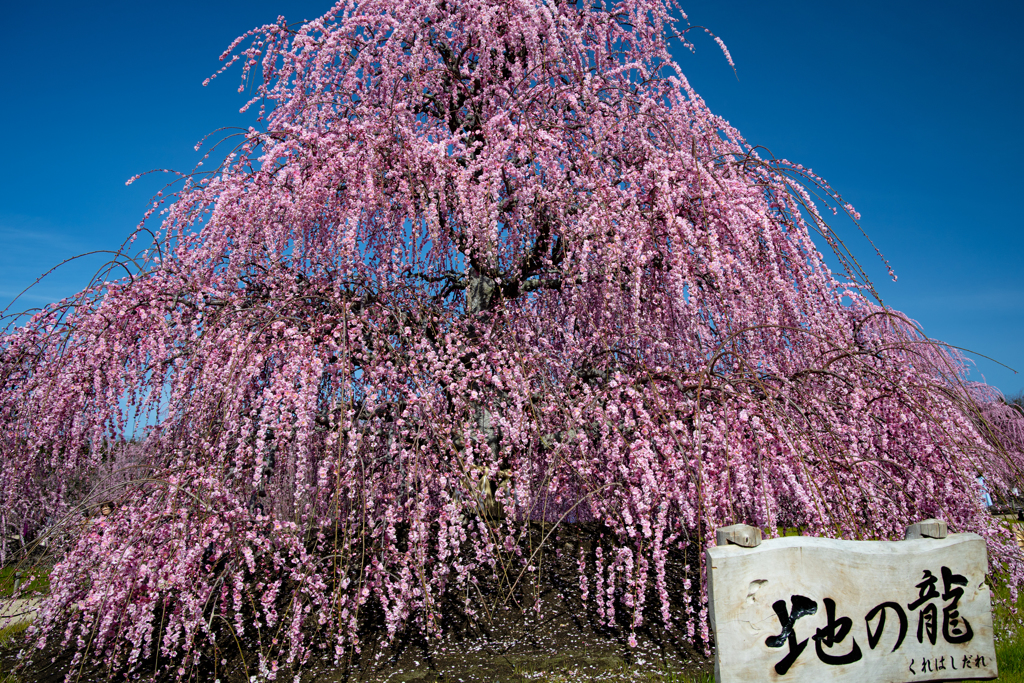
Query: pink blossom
column 463, row 280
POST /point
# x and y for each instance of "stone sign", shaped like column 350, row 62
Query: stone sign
column 805, row 610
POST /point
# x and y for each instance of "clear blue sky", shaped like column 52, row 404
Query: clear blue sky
column 912, row 110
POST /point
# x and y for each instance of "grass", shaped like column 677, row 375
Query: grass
column 1010, row 656
column 32, row 579
column 1009, row 629
column 38, row 580
column 7, row 636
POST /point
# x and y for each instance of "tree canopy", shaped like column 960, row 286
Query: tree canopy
column 475, row 254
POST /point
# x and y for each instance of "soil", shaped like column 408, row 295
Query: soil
column 562, row 640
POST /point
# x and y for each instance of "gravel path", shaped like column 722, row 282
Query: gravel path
column 17, row 611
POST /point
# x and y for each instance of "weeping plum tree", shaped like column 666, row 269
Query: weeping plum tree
column 478, row 256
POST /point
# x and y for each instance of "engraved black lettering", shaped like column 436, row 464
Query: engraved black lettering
column 925, row 590
column 926, row 623
column 874, row 637
column 802, row 607
column 955, row 629
column 832, row 633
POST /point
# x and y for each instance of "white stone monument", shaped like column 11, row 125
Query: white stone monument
column 805, row 610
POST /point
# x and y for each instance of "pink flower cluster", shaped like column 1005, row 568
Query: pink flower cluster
column 482, row 256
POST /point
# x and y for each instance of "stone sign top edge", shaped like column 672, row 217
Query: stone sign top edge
column 871, row 547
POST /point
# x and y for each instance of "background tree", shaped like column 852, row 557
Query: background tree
column 475, row 249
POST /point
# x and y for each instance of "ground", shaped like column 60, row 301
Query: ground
column 561, row 642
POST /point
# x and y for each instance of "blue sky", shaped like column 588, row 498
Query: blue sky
column 912, row 110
